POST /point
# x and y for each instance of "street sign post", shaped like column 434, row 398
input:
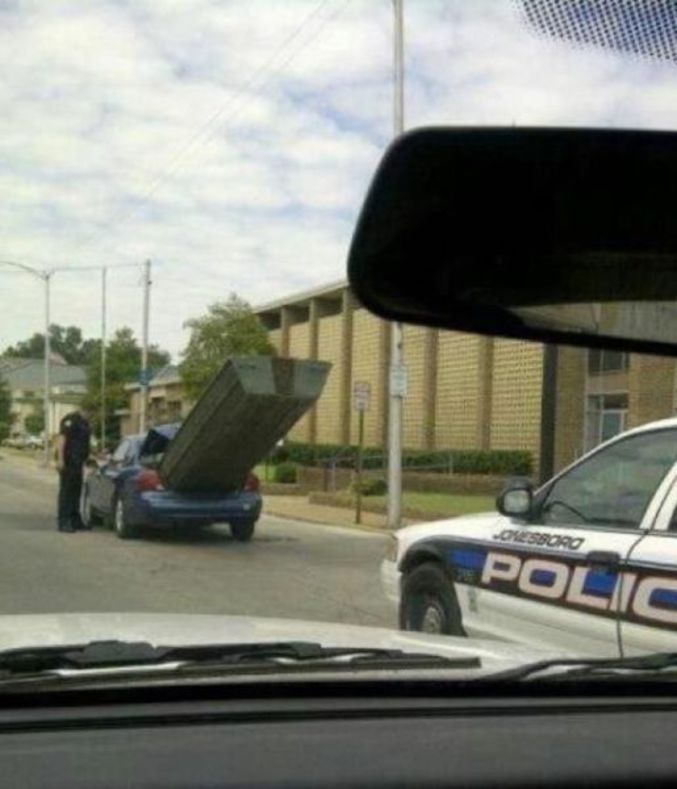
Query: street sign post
column 361, row 403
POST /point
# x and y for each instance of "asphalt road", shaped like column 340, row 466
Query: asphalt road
column 290, row 569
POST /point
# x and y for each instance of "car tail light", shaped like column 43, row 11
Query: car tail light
column 252, row 484
column 148, row 480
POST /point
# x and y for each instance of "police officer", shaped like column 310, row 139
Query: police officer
column 73, row 447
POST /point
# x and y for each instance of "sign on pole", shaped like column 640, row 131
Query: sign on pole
column 361, row 402
column 398, row 380
column 361, row 395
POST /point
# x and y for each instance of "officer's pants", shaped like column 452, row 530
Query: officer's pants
column 70, row 487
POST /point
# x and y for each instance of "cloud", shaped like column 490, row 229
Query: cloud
column 138, row 130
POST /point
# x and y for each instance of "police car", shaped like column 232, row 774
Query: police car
column 585, row 564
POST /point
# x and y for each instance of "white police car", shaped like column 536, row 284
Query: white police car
column 585, row 564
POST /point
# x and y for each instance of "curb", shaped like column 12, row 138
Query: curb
column 354, row 526
column 31, row 462
column 408, row 513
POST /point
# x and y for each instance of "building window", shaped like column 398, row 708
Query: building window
column 601, row 362
column 606, row 416
column 174, row 410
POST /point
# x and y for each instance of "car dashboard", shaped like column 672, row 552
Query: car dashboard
column 356, row 734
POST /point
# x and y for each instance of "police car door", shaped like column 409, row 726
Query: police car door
column 559, row 577
column 649, row 599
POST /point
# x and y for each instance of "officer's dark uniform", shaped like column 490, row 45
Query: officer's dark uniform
column 75, row 430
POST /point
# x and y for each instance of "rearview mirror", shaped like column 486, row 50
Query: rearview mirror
column 556, row 235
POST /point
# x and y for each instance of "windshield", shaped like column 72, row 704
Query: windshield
column 180, row 187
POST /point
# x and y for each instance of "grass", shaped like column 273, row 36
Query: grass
column 448, row 504
column 438, row 503
column 265, row 473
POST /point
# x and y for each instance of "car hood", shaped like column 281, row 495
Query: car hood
column 36, row 630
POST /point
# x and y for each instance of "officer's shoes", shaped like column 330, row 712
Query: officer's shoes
column 66, row 526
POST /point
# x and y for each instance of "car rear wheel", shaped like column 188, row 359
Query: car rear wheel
column 123, row 528
column 90, row 517
column 429, row 603
column 242, row 531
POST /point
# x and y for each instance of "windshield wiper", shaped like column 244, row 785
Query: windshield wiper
column 122, row 654
column 587, row 668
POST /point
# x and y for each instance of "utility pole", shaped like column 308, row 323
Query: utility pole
column 103, row 359
column 397, row 380
column 143, row 414
column 47, row 275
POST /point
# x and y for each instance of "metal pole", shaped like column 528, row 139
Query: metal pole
column 103, row 359
column 359, row 464
column 143, row 415
column 396, row 355
column 47, row 382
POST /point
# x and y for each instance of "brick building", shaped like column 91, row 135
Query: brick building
column 166, row 401
column 465, row 391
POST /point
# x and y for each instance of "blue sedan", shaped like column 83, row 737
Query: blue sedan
column 130, row 494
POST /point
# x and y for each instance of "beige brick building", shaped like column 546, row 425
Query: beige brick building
column 465, row 391
column 166, row 401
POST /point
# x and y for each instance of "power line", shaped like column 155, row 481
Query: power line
column 207, row 130
column 97, row 268
column 41, row 272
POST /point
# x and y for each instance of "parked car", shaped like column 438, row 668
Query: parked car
column 586, row 564
column 126, row 490
column 34, row 442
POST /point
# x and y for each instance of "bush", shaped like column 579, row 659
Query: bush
column 503, row 462
column 372, row 487
column 285, row 473
column 495, row 461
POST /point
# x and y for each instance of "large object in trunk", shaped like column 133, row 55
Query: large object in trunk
column 247, row 408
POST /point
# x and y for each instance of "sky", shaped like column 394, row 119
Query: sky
column 231, row 141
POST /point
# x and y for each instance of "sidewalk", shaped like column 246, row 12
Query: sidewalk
column 298, row 508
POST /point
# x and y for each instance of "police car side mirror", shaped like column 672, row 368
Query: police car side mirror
column 516, row 501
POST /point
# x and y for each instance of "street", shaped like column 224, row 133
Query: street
column 290, row 569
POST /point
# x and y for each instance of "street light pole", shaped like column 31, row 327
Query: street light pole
column 397, row 382
column 143, row 411
column 47, row 275
column 103, row 359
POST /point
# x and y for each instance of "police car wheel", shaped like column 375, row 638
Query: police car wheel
column 123, row 528
column 429, row 603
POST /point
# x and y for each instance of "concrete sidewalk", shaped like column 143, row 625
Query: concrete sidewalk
column 298, row 508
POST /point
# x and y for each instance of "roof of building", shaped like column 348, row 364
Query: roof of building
column 302, row 298
column 169, row 374
column 30, row 373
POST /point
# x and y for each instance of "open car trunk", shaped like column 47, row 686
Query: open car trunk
column 155, row 444
column 247, row 408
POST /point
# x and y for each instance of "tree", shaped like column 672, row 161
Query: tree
column 67, row 341
column 6, row 416
column 229, row 328
column 35, row 422
column 123, row 365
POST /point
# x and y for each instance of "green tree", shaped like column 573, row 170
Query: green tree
column 123, row 366
column 6, row 417
column 35, row 422
column 67, row 341
column 228, row 329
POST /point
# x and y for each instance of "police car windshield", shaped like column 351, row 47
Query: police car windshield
column 181, row 186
